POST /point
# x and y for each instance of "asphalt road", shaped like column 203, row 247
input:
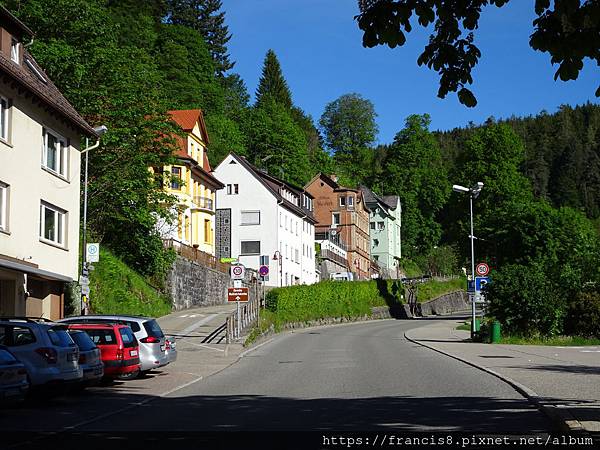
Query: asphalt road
column 364, row 376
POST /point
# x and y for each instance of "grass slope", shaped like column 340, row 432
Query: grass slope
column 117, row 289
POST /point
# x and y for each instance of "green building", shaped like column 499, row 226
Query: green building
column 385, row 231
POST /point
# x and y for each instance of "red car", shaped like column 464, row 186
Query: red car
column 119, row 349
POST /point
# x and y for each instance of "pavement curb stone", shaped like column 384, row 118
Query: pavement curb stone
column 560, row 417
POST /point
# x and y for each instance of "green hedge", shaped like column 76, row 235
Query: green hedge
column 332, row 299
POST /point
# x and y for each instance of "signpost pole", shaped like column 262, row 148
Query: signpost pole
column 472, row 271
column 239, row 328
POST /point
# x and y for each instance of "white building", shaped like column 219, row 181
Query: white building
column 39, row 181
column 260, row 215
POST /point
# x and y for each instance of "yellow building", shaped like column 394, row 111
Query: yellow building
column 195, row 208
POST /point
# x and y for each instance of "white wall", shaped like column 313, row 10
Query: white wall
column 294, row 236
column 20, row 168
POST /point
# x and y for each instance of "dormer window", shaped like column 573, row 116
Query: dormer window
column 15, row 50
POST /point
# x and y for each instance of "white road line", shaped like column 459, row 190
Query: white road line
column 198, row 324
column 187, row 341
column 255, row 348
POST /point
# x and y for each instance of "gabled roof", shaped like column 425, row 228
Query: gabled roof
column 273, row 185
column 387, row 202
column 391, row 200
column 187, row 119
column 6, row 17
column 336, row 187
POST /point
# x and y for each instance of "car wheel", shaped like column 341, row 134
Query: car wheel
column 129, row 375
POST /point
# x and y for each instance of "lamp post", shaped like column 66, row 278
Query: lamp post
column 277, row 257
column 99, row 131
column 473, row 193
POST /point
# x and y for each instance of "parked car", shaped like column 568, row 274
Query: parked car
column 152, row 341
column 118, row 346
column 89, row 358
column 171, row 348
column 44, row 347
column 13, row 378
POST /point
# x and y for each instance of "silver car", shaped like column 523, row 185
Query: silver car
column 45, row 348
column 153, row 343
column 89, row 358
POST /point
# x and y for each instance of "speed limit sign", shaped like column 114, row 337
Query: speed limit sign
column 482, row 269
column 237, row 272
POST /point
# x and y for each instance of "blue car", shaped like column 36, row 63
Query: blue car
column 13, row 378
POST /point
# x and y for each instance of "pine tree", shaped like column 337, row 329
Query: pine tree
column 204, row 16
column 272, row 84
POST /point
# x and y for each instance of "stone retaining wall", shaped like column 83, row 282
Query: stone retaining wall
column 446, row 304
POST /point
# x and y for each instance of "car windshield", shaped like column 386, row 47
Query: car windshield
column 129, row 339
column 83, row 340
column 60, row 337
column 153, row 329
column 102, row 336
column 6, row 357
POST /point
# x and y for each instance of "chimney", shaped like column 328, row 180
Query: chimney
column 334, row 177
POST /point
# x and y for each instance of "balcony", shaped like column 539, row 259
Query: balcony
column 193, row 254
column 328, row 254
column 334, row 238
column 203, row 203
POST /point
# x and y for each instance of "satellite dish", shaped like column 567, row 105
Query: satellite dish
column 333, row 232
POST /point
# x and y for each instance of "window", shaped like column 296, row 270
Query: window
column 286, row 222
column 176, row 175
column 280, row 220
column 342, row 201
column 207, row 234
column 372, row 225
column 52, row 224
column 54, row 153
column 3, row 207
column 350, row 201
column 235, row 189
column 15, row 50
column 335, row 219
column 297, row 256
column 250, row 248
column 4, row 110
column 228, row 189
column 380, row 225
column 250, row 217
column 296, row 228
column 286, row 252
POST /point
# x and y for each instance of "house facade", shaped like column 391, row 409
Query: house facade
column 193, row 184
column 342, row 211
column 39, row 181
column 385, row 231
column 261, row 217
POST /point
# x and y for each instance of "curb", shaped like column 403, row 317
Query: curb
column 562, row 419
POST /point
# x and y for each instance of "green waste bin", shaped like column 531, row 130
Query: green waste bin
column 477, row 325
column 495, row 335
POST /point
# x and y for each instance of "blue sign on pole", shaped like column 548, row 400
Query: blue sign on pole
column 480, row 282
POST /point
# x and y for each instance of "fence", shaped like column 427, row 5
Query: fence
column 193, row 254
column 244, row 316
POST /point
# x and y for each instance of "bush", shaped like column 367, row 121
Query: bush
column 526, row 301
column 442, row 260
column 331, row 299
column 583, row 318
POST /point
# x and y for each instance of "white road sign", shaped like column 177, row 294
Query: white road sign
column 237, row 272
column 92, row 253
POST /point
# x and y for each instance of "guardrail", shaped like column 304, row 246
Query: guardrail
column 242, row 318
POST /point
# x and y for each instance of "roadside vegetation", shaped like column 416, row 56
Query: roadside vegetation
column 117, row 289
column 434, row 289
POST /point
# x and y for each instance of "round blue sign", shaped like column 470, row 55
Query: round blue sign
column 263, row 271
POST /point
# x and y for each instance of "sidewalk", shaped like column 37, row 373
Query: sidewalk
column 561, row 381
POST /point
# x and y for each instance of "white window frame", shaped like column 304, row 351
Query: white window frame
column 4, row 118
column 62, row 153
column 4, row 199
column 242, row 252
column 339, row 217
column 342, row 201
column 251, row 221
column 60, row 219
column 15, row 51
column 350, row 201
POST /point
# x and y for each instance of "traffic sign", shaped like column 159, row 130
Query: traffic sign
column 263, row 271
column 237, row 294
column 92, row 253
column 85, row 289
column 237, row 272
column 228, row 260
column 84, row 281
column 480, row 283
column 482, row 269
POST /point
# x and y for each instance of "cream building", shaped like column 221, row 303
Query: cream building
column 39, row 181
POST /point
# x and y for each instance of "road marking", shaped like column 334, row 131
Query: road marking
column 202, row 345
column 198, row 324
column 589, row 351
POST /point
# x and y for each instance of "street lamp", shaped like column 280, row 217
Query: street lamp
column 99, row 131
column 473, row 193
column 277, row 257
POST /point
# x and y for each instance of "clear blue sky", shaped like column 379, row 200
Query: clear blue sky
column 320, row 50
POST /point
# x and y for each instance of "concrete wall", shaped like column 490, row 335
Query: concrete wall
column 446, row 304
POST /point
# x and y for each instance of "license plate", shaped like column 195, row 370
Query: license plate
column 133, row 353
column 72, row 357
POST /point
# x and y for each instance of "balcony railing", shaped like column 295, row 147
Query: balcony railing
column 204, row 203
column 328, row 254
column 331, row 237
column 193, row 254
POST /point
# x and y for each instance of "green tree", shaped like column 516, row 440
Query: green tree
column 568, row 31
column 206, row 17
column 272, row 83
column 349, row 129
column 414, row 171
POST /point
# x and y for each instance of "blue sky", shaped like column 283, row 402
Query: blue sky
column 320, row 50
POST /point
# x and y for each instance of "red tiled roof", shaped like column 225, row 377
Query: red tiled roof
column 186, row 118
